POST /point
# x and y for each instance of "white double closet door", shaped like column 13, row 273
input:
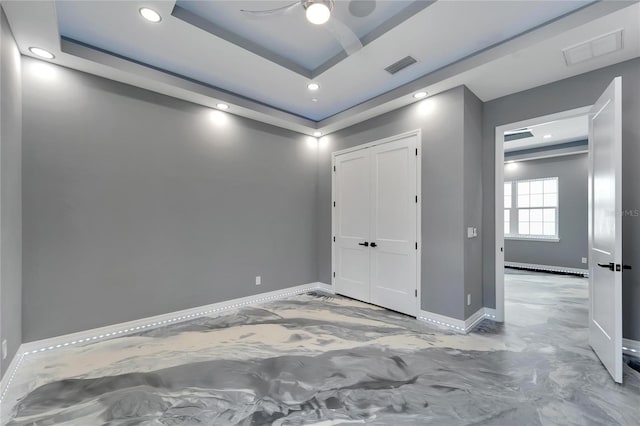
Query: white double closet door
column 375, row 224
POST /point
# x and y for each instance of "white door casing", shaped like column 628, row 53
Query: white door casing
column 605, row 228
column 383, row 211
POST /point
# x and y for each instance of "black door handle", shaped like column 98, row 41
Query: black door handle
column 611, row 266
column 374, row 245
column 626, row 266
column 366, row 244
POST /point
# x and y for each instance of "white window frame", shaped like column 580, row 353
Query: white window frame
column 515, row 213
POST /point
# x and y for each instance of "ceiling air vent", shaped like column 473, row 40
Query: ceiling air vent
column 400, row 65
column 514, row 135
column 599, row 46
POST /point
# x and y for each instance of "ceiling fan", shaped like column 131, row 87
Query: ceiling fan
column 318, row 12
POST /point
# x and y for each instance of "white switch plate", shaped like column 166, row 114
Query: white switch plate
column 4, row 348
column 468, row 299
column 469, row 232
column 584, row 260
column 258, row 280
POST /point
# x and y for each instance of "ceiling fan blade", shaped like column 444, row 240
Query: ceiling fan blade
column 257, row 14
column 347, row 38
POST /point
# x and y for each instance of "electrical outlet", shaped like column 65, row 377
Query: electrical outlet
column 4, row 348
column 584, row 260
column 468, row 299
column 258, row 280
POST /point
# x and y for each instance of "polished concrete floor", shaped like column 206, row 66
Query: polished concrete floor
column 318, row 359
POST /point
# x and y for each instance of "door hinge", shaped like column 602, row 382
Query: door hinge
column 334, row 204
column 416, row 292
column 334, row 239
column 416, row 198
column 416, row 245
column 416, row 151
column 334, row 168
column 334, row 275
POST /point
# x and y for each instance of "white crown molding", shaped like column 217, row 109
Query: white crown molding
column 549, row 268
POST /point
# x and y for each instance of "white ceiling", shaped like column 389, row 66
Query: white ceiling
column 476, row 43
column 437, row 36
column 559, row 132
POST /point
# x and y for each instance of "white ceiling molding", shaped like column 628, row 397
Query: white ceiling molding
column 487, row 72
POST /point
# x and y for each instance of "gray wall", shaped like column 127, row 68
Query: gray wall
column 10, row 193
column 563, row 95
column 444, row 143
column 472, row 170
column 572, row 173
column 137, row 204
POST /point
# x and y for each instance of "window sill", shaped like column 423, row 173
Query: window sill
column 524, row 238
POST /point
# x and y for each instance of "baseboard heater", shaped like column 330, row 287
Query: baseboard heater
column 548, row 268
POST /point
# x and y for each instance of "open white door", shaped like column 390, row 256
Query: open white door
column 605, row 228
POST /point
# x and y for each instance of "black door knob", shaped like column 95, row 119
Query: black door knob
column 366, row 244
column 374, row 245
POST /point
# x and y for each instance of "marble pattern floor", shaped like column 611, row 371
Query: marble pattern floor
column 320, row 359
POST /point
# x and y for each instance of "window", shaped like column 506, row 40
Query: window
column 536, row 208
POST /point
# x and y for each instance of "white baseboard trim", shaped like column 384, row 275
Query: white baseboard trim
column 327, row 288
column 442, row 320
column 11, row 372
column 631, row 347
column 491, row 314
column 455, row 324
column 135, row 326
column 475, row 319
column 130, row 327
column 549, row 268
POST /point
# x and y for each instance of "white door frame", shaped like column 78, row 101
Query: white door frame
column 418, row 133
column 499, row 193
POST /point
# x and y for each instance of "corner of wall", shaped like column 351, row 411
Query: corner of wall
column 10, row 193
column 472, row 146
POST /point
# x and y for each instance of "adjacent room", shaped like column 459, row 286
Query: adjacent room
column 319, row 212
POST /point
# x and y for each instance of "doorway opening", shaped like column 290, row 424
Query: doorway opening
column 529, row 167
column 545, row 222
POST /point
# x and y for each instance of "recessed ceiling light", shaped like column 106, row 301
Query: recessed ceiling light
column 318, row 12
column 41, row 53
column 317, row 134
column 420, row 95
column 314, row 100
column 222, row 106
column 313, row 86
column 150, row 15
column 546, row 137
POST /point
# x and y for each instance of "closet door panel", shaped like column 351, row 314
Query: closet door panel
column 352, row 216
column 393, row 225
